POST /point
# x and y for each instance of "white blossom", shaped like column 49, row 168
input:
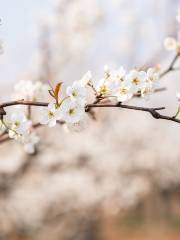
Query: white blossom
column 86, row 79
column 28, row 90
column 72, row 112
column 30, row 141
column 40, row 90
column 23, row 90
column 112, row 78
column 152, row 74
column 124, row 92
column 151, row 81
column 77, row 92
column 106, row 86
column 18, row 125
column 113, row 74
column 136, row 80
column 50, row 115
column 76, row 127
column 172, row 44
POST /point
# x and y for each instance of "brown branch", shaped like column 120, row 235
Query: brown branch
column 22, row 102
column 153, row 111
column 171, row 66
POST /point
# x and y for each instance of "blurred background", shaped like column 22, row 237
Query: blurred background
column 118, row 179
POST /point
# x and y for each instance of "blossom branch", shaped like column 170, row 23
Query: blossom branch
column 116, row 85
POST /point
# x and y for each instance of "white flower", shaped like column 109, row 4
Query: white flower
column 118, row 74
column 23, row 90
column 136, row 80
column 106, row 87
column 77, row 92
column 151, row 80
column 178, row 96
column 114, row 75
column 111, row 81
column 152, row 74
column 30, row 141
column 72, row 112
column 75, row 127
column 50, row 115
column 86, row 79
column 102, row 87
column 29, row 90
column 107, row 69
column 170, row 43
column 124, row 92
column 40, row 90
column 18, row 125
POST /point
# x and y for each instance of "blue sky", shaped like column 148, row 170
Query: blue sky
column 16, row 32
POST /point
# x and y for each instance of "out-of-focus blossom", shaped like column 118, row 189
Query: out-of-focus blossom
column 30, row 141
column 171, row 44
column 86, row 79
column 28, row 90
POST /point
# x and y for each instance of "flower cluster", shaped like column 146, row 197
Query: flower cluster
column 21, row 129
column 116, row 83
column 70, row 109
column 18, row 125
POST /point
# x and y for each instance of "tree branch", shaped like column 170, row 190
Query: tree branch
column 22, row 102
column 153, row 111
column 171, row 66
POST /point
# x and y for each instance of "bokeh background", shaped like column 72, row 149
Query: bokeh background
column 118, row 179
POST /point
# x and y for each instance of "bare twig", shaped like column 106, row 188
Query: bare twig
column 153, row 111
column 22, row 102
column 171, row 66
